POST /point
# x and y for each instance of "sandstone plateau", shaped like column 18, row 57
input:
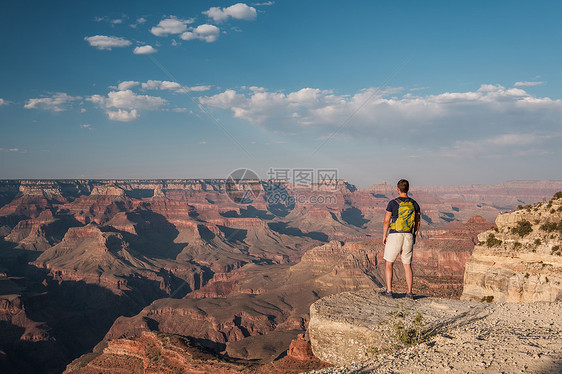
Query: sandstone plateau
column 85, row 264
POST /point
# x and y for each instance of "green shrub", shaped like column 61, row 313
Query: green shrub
column 557, row 195
column 495, row 229
column 492, row 241
column 404, row 328
column 555, row 250
column 523, row 228
column 409, row 332
column 538, row 242
column 549, row 226
column 488, row 299
column 552, row 226
column 517, row 245
column 526, row 275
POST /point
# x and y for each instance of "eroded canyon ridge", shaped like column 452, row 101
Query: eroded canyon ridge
column 173, row 273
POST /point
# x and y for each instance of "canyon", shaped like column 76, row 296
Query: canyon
column 91, row 270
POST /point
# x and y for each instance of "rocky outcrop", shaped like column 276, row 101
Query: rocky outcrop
column 521, row 259
column 153, row 353
column 351, row 326
column 489, row 338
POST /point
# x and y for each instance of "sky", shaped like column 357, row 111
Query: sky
column 438, row 92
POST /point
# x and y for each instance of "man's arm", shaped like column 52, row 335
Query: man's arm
column 386, row 225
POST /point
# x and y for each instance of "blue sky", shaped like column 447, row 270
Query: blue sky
column 438, row 92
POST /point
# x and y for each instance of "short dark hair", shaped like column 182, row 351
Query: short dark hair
column 403, row 185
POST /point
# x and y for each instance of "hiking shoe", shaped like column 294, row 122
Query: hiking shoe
column 387, row 294
column 409, row 295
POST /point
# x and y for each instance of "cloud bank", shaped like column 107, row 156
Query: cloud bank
column 502, row 116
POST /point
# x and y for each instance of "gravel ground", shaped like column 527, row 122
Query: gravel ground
column 506, row 338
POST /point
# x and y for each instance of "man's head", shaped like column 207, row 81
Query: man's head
column 403, row 185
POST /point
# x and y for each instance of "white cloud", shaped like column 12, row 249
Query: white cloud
column 203, row 142
column 86, row 126
column 527, row 84
column 237, row 11
column 3, row 102
column 514, row 139
column 145, row 50
column 116, row 21
column 127, row 104
column 171, row 25
column 205, row 32
column 57, row 102
column 107, row 42
column 198, row 88
column 492, row 113
column 266, row 3
column 172, row 86
column 493, row 147
column 139, row 21
column 160, row 85
column 122, row 115
column 125, row 85
column 127, row 99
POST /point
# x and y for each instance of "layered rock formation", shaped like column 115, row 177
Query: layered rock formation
column 521, row 259
column 260, row 309
column 154, row 353
column 77, row 254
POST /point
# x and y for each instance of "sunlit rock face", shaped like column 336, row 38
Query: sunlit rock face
column 520, row 260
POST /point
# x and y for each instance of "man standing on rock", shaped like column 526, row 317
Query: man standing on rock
column 403, row 219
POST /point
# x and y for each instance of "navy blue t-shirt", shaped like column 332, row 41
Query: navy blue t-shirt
column 393, row 208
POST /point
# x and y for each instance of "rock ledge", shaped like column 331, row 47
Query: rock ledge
column 349, row 326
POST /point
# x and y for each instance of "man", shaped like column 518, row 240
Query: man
column 403, row 219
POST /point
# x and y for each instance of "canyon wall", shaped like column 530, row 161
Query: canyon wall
column 521, row 259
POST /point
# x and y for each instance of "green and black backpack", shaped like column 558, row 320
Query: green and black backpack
column 406, row 216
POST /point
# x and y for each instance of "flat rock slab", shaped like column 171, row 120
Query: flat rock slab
column 349, row 326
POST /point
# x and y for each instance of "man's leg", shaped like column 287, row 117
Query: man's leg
column 409, row 276
column 388, row 275
column 407, row 252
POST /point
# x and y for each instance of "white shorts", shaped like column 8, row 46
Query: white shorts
column 399, row 242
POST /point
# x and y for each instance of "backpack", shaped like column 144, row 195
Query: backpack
column 406, row 216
